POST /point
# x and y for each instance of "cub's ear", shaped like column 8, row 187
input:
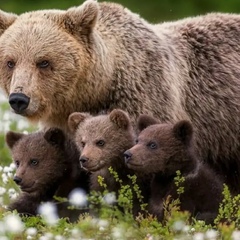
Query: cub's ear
column 120, row 118
column 183, row 131
column 6, row 19
column 75, row 119
column 144, row 121
column 82, row 19
column 55, row 136
column 12, row 138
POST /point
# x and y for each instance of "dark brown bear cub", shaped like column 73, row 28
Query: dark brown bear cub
column 163, row 149
column 102, row 140
column 47, row 164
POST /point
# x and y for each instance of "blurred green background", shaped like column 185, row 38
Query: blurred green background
column 152, row 10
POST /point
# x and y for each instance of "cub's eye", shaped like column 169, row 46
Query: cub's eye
column 136, row 141
column 17, row 163
column 43, row 64
column 33, row 162
column 83, row 144
column 100, row 143
column 152, row 145
column 11, row 64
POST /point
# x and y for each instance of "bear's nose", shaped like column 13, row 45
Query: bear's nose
column 19, row 102
column 17, row 179
column 83, row 159
column 127, row 156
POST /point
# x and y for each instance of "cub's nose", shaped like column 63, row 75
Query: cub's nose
column 19, row 102
column 83, row 159
column 127, row 156
column 17, row 179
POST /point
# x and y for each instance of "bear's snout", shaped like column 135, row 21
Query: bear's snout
column 17, row 180
column 127, row 156
column 18, row 102
column 83, row 159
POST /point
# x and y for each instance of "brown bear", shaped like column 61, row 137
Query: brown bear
column 101, row 56
column 162, row 149
column 102, row 140
column 47, row 165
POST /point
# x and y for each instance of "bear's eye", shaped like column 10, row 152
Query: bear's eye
column 11, row 64
column 136, row 141
column 43, row 64
column 100, row 143
column 33, row 162
column 152, row 145
column 83, row 144
column 17, row 163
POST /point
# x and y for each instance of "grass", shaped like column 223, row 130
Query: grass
column 110, row 223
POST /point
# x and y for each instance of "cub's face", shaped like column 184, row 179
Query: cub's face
column 102, row 139
column 160, row 148
column 39, row 162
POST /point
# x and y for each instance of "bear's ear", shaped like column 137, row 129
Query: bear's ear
column 183, row 131
column 144, row 121
column 55, row 136
column 82, row 19
column 6, row 19
column 120, row 118
column 12, row 138
column 75, row 119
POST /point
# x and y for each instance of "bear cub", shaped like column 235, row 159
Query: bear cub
column 162, row 149
column 102, row 140
column 47, row 165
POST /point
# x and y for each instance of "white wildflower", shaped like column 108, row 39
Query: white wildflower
column 7, row 169
column 118, row 232
column 2, row 190
column 13, row 223
column 198, row 236
column 49, row 212
column 4, row 238
column 236, row 235
column 22, row 123
column 110, row 198
column 12, row 166
column 78, row 197
column 102, row 224
column 211, row 234
column 178, row 226
column 2, row 228
column 31, row 231
column 4, row 178
column 59, row 237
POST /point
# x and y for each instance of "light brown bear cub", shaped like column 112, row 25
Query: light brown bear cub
column 102, row 140
column 47, row 164
column 163, row 149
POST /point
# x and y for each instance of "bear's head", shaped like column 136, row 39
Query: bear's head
column 161, row 148
column 102, row 139
column 49, row 53
column 39, row 158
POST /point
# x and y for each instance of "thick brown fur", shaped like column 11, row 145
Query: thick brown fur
column 162, row 149
column 48, row 165
column 107, row 57
column 102, row 140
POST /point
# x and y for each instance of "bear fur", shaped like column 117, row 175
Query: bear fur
column 47, row 165
column 101, row 56
column 102, row 140
column 162, row 149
